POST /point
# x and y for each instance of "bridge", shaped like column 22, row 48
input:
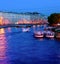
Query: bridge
column 18, row 25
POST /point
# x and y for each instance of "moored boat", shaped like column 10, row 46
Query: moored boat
column 57, row 33
column 49, row 34
column 38, row 34
column 25, row 29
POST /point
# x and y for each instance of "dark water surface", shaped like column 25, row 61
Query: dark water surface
column 17, row 47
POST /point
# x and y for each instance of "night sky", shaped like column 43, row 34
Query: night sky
column 43, row 6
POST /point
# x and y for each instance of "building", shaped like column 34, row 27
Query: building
column 15, row 18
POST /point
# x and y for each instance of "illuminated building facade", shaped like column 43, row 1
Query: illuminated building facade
column 15, row 18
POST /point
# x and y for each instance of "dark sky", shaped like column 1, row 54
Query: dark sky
column 44, row 6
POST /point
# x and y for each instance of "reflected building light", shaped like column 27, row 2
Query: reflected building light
column 34, row 26
column 2, row 31
column 9, row 29
column 3, row 47
column 38, row 25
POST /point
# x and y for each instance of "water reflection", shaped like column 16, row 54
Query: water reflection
column 23, row 48
column 2, row 31
column 3, row 47
column 9, row 29
column 41, row 39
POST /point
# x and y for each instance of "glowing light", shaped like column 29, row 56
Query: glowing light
column 2, row 31
column 2, row 44
column 3, row 47
column 1, row 20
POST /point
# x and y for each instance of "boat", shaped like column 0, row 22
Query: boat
column 38, row 34
column 57, row 33
column 25, row 29
column 49, row 34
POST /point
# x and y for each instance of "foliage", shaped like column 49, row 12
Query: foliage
column 54, row 18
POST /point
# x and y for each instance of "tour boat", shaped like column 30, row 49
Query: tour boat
column 50, row 34
column 38, row 34
column 25, row 29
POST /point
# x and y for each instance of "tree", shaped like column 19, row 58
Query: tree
column 54, row 18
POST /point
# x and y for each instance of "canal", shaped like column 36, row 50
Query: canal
column 17, row 47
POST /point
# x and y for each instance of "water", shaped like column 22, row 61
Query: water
column 17, row 47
